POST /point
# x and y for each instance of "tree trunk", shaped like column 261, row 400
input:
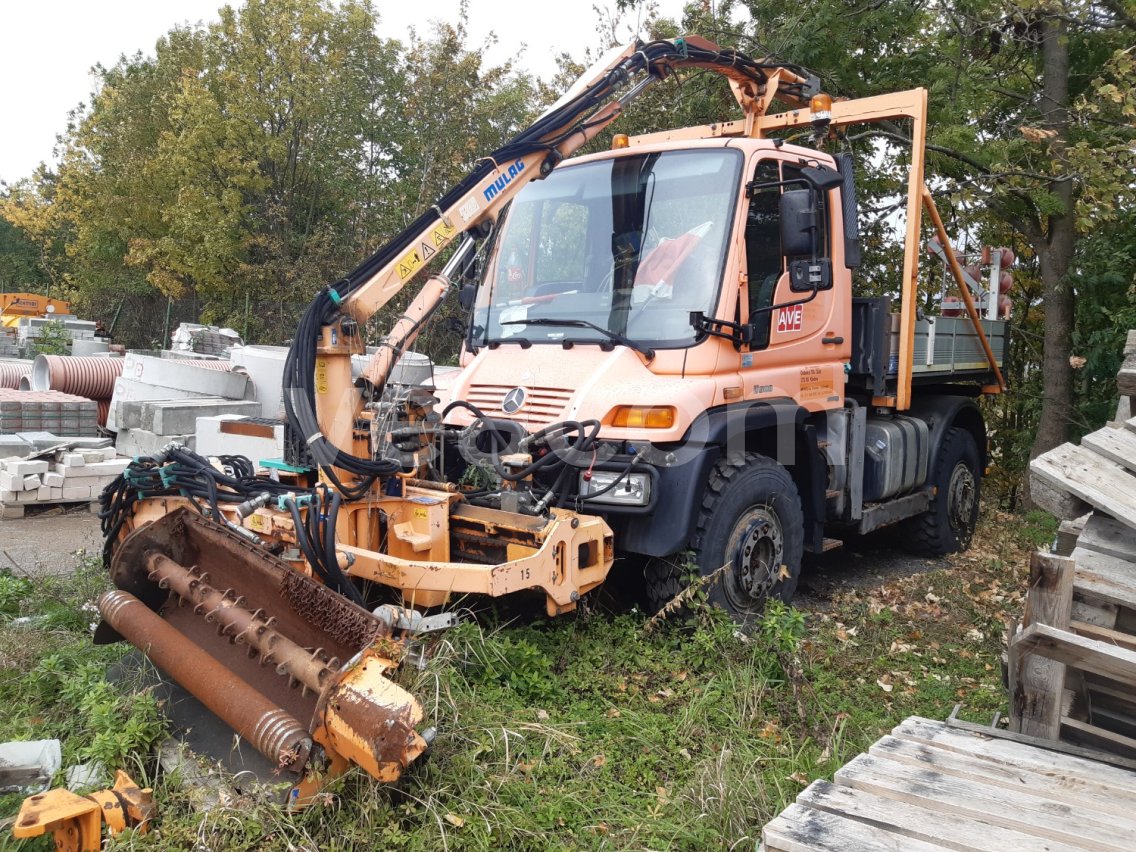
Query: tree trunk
column 1056, row 254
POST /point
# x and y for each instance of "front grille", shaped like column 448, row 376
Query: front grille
column 542, row 405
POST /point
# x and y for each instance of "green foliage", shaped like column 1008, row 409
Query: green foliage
column 54, row 339
column 53, row 680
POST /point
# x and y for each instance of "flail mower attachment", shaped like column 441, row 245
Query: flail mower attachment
column 294, row 668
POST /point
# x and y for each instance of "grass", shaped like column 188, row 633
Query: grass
column 585, row 732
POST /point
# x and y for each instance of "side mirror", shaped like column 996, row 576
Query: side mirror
column 466, row 296
column 822, row 178
column 798, row 223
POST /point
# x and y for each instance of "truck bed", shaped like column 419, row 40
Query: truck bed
column 947, row 349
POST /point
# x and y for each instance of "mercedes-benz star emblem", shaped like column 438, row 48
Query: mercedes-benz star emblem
column 513, row 401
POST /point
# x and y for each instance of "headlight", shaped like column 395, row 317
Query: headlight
column 633, row 489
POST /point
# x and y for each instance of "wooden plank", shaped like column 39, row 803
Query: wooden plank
column 1049, row 598
column 1103, row 634
column 1112, row 719
column 1115, row 445
column 1097, row 614
column 1086, row 475
column 1076, row 793
column 1080, row 652
column 1014, row 809
column 1013, row 749
column 1037, row 681
column 1130, row 423
column 1103, row 578
column 1068, row 533
column 801, row 829
column 1108, row 536
column 951, row 831
column 1098, row 737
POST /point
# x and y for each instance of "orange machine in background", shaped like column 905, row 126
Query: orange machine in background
column 16, row 305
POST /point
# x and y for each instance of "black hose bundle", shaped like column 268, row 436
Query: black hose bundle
column 178, row 471
column 545, row 134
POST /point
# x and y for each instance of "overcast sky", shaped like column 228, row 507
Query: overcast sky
column 49, row 47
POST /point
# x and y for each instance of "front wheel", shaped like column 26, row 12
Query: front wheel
column 748, row 543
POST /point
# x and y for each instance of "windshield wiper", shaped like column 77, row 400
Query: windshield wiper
column 613, row 336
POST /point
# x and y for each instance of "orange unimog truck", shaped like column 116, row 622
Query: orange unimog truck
column 693, row 293
column 665, row 360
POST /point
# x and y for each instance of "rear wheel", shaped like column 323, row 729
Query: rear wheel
column 749, row 539
column 948, row 526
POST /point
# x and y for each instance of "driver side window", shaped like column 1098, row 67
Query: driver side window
column 764, row 263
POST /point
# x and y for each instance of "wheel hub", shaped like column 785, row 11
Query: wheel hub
column 961, row 494
column 757, row 561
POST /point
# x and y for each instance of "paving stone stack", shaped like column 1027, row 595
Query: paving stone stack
column 68, row 476
column 47, row 411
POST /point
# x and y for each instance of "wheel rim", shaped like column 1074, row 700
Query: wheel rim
column 758, row 548
column 962, row 494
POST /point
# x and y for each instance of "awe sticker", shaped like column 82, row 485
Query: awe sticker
column 790, row 318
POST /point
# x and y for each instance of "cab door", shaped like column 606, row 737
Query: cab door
column 795, row 351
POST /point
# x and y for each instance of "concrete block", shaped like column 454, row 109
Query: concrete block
column 43, row 494
column 109, row 453
column 27, row 468
column 214, row 440
column 11, row 512
column 124, row 414
column 27, row 496
column 180, row 418
column 184, row 377
column 91, row 456
column 31, row 483
column 7, row 496
column 109, row 469
column 11, row 482
column 52, row 479
column 143, row 442
column 79, row 492
column 13, row 445
column 72, row 460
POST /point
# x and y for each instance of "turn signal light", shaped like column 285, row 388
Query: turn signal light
column 644, row 416
column 620, row 140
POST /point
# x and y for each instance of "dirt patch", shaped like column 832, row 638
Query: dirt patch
column 867, row 563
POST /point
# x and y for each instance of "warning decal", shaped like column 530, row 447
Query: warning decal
column 409, row 264
column 442, row 234
column 791, row 318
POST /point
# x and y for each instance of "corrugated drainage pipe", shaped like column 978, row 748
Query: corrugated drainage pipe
column 12, row 371
column 92, row 377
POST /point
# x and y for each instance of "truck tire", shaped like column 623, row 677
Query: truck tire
column 948, row 526
column 750, row 521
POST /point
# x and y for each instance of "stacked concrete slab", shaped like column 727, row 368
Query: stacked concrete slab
column 47, row 411
column 76, row 475
column 158, row 400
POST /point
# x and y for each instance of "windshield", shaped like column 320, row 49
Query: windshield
column 627, row 246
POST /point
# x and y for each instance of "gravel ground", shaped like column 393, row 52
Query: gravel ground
column 46, row 542
column 870, row 561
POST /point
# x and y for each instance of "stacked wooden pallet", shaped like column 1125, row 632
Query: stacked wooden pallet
column 934, row 785
column 1072, row 663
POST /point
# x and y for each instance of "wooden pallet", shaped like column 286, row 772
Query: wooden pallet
column 932, row 786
